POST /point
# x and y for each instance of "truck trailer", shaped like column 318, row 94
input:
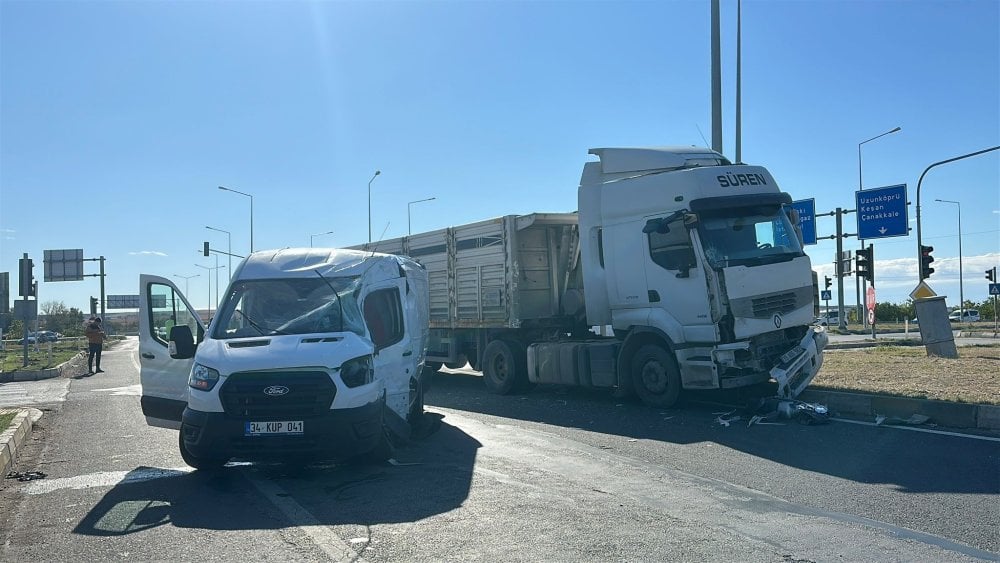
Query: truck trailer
column 680, row 270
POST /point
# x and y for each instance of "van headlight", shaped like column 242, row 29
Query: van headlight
column 357, row 372
column 203, row 378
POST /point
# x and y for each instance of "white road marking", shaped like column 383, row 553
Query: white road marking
column 917, row 429
column 323, row 536
column 103, row 479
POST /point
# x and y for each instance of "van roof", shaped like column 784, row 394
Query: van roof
column 330, row 262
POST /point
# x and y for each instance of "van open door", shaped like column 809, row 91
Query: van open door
column 169, row 331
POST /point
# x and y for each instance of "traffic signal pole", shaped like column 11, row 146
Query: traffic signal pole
column 841, row 271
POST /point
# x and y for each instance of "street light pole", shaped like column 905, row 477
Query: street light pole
column 186, row 278
column 311, row 237
column 210, row 268
column 860, row 284
column 961, row 291
column 408, row 207
column 229, row 240
column 377, row 172
column 251, row 211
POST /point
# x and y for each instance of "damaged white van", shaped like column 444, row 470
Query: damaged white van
column 312, row 354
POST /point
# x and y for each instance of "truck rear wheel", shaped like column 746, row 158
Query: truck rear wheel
column 505, row 367
column 197, row 462
column 655, row 376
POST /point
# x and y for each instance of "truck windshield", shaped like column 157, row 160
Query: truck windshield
column 748, row 236
column 289, row 306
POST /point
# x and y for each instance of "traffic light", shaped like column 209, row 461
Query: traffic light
column 828, row 280
column 25, row 280
column 925, row 261
column 93, row 305
column 206, row 248
column 866, row 264
column 991, row 274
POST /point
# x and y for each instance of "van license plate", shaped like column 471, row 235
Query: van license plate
column 273, row 427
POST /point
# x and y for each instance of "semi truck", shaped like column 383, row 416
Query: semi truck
column 680, row 270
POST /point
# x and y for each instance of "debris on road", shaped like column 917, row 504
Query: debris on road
column 914, row 420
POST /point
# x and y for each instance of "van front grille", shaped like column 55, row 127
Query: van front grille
column 281, row 395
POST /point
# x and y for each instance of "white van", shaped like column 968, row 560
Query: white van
column 312, row 354
column 968, row 316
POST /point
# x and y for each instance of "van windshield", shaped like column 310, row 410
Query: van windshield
column 748, row 236
column 289, row 306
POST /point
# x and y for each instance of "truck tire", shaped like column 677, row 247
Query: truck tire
column 505, row 367
column 200, row 463
column 655, row 377
column 457, row 364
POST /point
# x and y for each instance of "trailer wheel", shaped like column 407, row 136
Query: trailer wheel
column 197, row 462
column 655, row 376
column 457, row 364
column 505, row 367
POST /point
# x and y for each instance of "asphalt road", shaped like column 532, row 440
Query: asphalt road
column 554, row 475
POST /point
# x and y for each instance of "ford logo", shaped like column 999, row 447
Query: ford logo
column 276, row 390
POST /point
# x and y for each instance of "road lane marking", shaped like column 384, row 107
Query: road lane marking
column 323, row 536
column 917, row 429
column 103, row 479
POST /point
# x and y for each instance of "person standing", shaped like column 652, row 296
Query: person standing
column 95, row 341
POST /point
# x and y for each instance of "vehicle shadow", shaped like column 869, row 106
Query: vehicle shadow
column 429, row 477
column 911, row 461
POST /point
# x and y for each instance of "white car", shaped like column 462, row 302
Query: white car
column 969, row 316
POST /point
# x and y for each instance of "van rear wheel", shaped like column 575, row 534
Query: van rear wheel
column 655, row 376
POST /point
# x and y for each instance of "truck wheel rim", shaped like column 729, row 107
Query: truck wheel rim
column 500, row 368
column 654, row 377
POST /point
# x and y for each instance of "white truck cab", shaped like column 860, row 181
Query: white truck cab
column 312, row 354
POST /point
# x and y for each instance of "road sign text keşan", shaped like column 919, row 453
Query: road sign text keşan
column 882, row 212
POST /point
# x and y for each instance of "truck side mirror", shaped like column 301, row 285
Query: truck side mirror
column 656, row 226
column 181, row 343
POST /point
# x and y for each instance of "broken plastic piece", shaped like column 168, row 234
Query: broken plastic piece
column 914, row 420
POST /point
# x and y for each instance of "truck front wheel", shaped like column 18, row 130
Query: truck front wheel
column 655, row 376
column 505, row 367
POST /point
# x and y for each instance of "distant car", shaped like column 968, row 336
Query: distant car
column 31, row 339
column 48, row 336
column 827, row 320
column 969, row 316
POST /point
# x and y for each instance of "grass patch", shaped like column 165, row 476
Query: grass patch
column 13, row 356
column 5, row 419
column 903, row 371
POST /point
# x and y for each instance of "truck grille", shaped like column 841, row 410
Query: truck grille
column 771, row 304
column 309, row 393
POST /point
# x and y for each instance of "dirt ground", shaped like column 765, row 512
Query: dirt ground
column 973, row 377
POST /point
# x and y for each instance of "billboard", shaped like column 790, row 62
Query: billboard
column 64, row 265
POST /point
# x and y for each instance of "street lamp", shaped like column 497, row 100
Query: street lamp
column 251, row 211
column 311, row 237
column 377, row 172
column 858, row 282
column 961, row 292
column 229, row 240
column 408, row 206
column 186, row 278
column 210, row 268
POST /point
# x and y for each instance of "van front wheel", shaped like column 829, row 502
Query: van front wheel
column 198, row 462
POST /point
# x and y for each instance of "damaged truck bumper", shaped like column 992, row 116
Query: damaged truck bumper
column 798, row 366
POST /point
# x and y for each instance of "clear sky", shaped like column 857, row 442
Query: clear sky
column 118, row 120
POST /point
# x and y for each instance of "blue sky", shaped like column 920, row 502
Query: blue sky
column 118, row 120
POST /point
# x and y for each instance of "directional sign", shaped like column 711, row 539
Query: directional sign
column 882, row 212
column 123, row 302
column 807, row 219
column 995, row 289
column 826, row 295
column 64, row 265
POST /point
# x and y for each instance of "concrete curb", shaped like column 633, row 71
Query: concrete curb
column 15, row 436
column 952, row 415
column 37, row 375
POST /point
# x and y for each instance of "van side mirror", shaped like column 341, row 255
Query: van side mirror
column 181, row 343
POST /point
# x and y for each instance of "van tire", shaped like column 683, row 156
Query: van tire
column 200, row 463
column 655, row 377
column 505, row 367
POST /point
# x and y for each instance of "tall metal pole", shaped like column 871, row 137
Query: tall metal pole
column 861, row 284
column 377, row 172
column 920, row 242
column 229, row 241
column 716, row 78
column 102, row 289
column 311, row 237
column 842, row 324
column 961, row 291
column 186, row 278
column 408, row 207
column 739, row 82
column 251, row 211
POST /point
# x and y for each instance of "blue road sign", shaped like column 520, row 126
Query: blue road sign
column 826, row 295
column 882, row 212
column 807, row 219
column 995, row 289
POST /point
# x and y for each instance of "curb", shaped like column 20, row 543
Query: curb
column 15, row 435
column 36, row 375
column 952, row 415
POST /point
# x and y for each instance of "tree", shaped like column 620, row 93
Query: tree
column 59, row 318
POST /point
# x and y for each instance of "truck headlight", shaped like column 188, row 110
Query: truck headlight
column 203, row 378
column 357, row 372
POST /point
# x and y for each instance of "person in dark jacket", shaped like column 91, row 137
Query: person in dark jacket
column 95, row 341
